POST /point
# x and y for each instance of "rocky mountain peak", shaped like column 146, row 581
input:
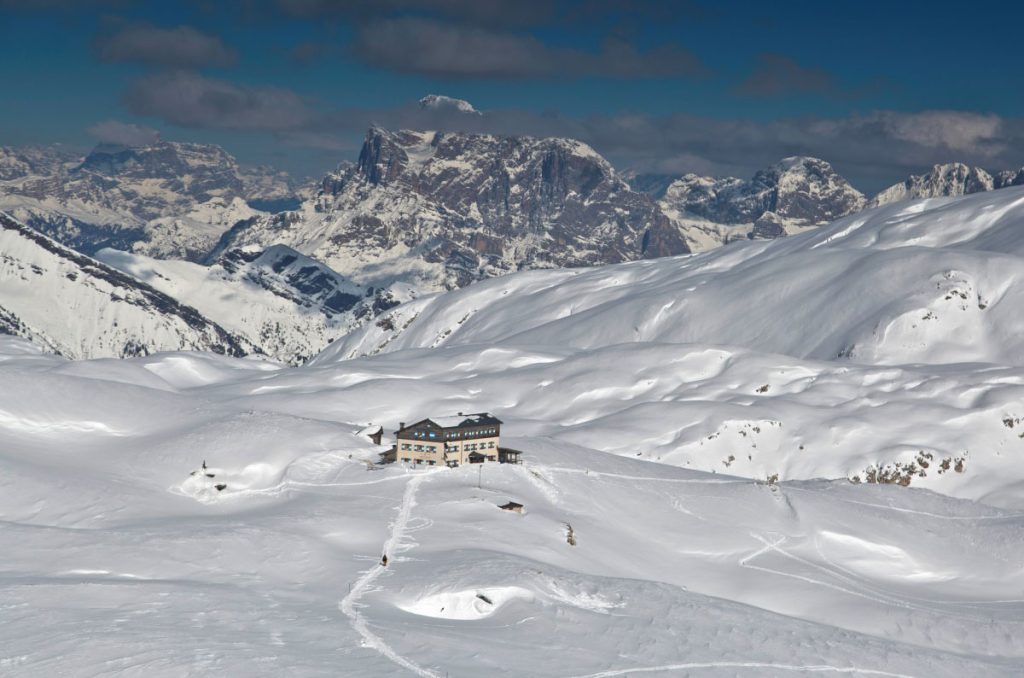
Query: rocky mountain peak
column 199, row 170
column 168, row 198
column 944, row 180
column 799, row 191
column 1008, row 178
column 470, row 206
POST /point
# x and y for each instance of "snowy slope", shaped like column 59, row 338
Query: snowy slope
column 903, row 320
column 120, row 561
column 80, row 308
column 779, row 458
column 284, row 303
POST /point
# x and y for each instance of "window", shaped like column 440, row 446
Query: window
column 433, row 435
column 430, row 463
column 491, row 444
column 405, row 460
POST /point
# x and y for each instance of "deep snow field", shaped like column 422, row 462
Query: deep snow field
column 650, row 428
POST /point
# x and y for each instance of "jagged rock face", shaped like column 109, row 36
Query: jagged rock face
column 654, row 185
column 28, row 161
column 116, row 197
column 768, row 226
column 800, row 191
column 1008, row 178
column 92, row 310
column 450, row 208
column 306, row 282
column 949, row 180
column 282, row 302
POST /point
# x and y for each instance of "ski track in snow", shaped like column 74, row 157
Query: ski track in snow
column 350, row 603
column 858, row 586
column 899, row 509
column 687, row 481
column 748, row 665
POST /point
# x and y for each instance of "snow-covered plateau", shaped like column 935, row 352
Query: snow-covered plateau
column 787, row 457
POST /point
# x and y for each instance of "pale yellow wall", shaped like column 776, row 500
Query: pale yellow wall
column 458, row 450
column 461, row 449
column 424, row 454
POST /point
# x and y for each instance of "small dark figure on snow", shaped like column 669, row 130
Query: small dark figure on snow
column 384, row 560
column 204, row 464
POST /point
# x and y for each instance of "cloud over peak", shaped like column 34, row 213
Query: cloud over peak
column 123, row 133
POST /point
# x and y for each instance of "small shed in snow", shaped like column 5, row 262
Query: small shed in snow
column 374, row 432
column 512, row 506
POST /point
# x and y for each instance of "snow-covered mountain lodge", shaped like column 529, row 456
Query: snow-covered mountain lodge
column 452, row 441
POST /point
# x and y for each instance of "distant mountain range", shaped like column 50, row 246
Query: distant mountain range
column 168, row 199
column 466, row 206
column 276, row 303
column 792, row 195
column 441, row 210
column 949, row 180
column 419, row 212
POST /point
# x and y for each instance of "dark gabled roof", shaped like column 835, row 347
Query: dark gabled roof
column 455, row 422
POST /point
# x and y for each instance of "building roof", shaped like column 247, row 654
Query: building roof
column 370, row 430
column 465, row 420
column 456, row 421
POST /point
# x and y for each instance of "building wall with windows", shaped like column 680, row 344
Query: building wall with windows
column 429, row 444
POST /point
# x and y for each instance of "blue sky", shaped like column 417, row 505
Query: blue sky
column 878, row 89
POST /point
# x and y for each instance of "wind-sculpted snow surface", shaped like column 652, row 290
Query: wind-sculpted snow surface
column 785, row 458
column 121, row 556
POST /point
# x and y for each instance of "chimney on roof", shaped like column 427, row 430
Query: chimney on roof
column 460, row 414
column 401, row 425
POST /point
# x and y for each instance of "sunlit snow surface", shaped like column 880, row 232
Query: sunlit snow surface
column 652, row 400
column 117, row 561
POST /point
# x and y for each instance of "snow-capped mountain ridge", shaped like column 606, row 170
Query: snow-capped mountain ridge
column 167, row 198
column 81, row 308
column 794, row 194
column 442, row 210
column 949, row 180
column 284, row 303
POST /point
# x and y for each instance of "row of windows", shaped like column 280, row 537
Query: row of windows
column 419, row 448
column 451, row 435
column 472, row 447
column 428, row 462
column 424, row 434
